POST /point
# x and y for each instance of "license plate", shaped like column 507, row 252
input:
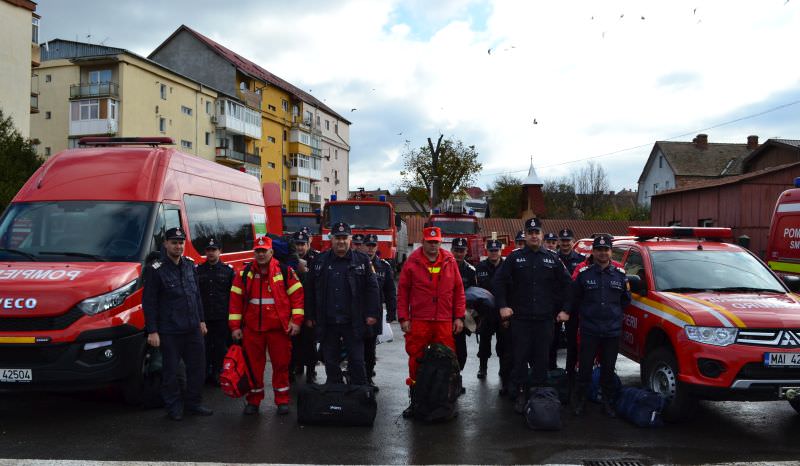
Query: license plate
column 15, row 375
column 781, row 359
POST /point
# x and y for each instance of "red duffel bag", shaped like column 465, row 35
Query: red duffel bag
column 236, row 377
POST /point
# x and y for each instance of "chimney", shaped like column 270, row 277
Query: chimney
column 701, row 141
column 752, row 142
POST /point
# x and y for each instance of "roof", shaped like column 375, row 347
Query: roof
column 475, row 192
column 704, row 184
column 687, row 159
column 789, row 143
column 252, row 69
column 510, row 226
column 27, row 4
column 532, row 178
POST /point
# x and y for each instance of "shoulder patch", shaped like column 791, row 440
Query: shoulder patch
column 385, row 262
column 188, row 258
column 156, row 264
column 229, row 266
column 583, row 269
column 622, row 270
column 471, row 267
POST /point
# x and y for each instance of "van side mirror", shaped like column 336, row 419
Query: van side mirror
column 636, row 285
column 398, row 221
column 792, row 282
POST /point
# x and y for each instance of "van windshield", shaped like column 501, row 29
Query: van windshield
column 292, row 224
column 359, row 216
column 70, row 231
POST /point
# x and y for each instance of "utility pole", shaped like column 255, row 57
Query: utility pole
column 435, row 171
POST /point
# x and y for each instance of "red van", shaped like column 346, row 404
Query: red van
column 73, row 244
column 783, row 249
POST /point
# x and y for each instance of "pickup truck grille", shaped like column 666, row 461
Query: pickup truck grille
column 777, row 338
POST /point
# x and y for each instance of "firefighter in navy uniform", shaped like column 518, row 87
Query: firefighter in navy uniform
column 357, row 242
column 599, row 295
column 571, row 260
column 529, row 285
column 519, row 240
column 304, row 354
column 216, row 278
column 490, row 321
column 551, row 241
column 388, row 297
column 174, row 322
column 469, row 278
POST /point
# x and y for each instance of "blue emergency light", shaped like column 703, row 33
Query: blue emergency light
column 471, row 212
column 797, row 182
column 317, row 211
column 436, row 211
column 382, row 198
column 333, row 197
column 283, row 210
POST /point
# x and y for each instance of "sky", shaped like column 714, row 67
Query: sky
column 561, row 82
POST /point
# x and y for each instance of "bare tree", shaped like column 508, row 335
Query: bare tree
column 591, row 188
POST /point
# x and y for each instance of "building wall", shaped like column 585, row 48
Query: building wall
column 773, row 157
column 745, row 207
column 53, row 98
column 660, row 173
column 335, row 154
column 190, row 57
column 15, row 65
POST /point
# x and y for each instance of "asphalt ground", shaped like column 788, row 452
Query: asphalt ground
column 97, row 426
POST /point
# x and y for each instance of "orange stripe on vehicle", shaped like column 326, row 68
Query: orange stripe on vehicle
column 730, row 315
column 669, row 310
column 18, row 340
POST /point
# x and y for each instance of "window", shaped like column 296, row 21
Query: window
column 634, row 265
column 162, row 125
column 112, row 109
column 661, row 162
column 285, row 106
column 243, row 86
column 327, row 180
column 164, row 92
column 270, row 165
column 336, row 128
column 271, row 139
column 208, row 107
column 186, row 110
column 47, row 115
column 295, row 110
column 284, row 138
column 48, row 78
column 705, row 222
column 327, row 125
column 317, row 121
column 85, row 110
column 336, row 154
column 666, row 184
column 186, row 144
column 617, row 253
column 99, row 76
column 208, row 138
column 227, row 222
column 47, row 151
column 272, row 108
column 35, row 30
column 655, row 188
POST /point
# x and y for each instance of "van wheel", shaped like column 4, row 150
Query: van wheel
column 661, row 376
column 795, row 403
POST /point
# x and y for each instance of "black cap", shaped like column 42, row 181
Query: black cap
column 550, row 237
column 494, row 245
column 340, row 229
column 459, row 243
column 602, row 241
column 520, row 236
column 533, row 224
column 300, row 237
column 358, row 238
column 371, row 240
column 212, row 244
column 175, row 233
column 566, row 233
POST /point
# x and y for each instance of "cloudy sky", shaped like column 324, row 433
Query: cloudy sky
column 603, row 79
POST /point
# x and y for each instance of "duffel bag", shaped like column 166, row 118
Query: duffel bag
column 336, row 404
column 543, row 410
column 558, row 379
column 437, row 386
column 236, row 377
column 596, row 391
column 641, row 407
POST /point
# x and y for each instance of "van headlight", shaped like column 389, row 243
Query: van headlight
column 717, row 336
column 104, row 302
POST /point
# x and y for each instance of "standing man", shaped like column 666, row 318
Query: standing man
column 304, row 353
column 216, row 278
column 430, row 302
column 458, row 247
column 599, row 295
column 267, row 297
column 571, row 260
column 174, row 322
column 343, row 300
column 490, row 323
column 551, row 241
column 529, row 285
column 388, row 297
column 358, row 242
column 519, row 240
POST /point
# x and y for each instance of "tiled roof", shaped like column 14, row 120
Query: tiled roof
column 252, row 69
column 510, row 226
column 702, row 184
column 686, row 159
column 475, row 192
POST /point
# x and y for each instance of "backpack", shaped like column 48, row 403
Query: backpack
column 283, row 249
column 641, row 407
column 543, row 410
column 284, row 271
column 438, row 384
column 596, row 392
column 236, row 376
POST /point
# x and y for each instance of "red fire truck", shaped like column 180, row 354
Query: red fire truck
column 367, row 215
column 783, row 250
column 457, row 225
column 296, row 221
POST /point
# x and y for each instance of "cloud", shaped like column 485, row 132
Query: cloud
column 595, row 76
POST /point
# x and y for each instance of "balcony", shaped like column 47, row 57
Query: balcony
column 238, row 119
column 36, row 55
column 299, row 196
column 229, row 156
column 87, row 90
column 253, row 158
column 93, row 126
column 250, row 98
column 305, row 166
column 316, row 198
column 34, row 103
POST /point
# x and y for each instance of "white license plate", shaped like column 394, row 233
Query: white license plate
column 15, row 375
column 781, row 359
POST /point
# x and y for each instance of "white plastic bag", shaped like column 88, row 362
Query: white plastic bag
column 386, row 334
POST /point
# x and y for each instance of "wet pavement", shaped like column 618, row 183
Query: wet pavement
column 97, row 426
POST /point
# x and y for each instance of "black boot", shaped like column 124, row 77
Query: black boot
column 520, row 401
column 482, row 368
column 409, row 412
column 311, row 374
column 578, row 402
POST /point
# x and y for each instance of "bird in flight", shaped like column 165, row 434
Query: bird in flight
column 353, row 109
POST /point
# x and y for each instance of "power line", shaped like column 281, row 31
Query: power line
column 640, row 146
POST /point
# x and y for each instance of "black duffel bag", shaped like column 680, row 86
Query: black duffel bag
column 336, row 404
